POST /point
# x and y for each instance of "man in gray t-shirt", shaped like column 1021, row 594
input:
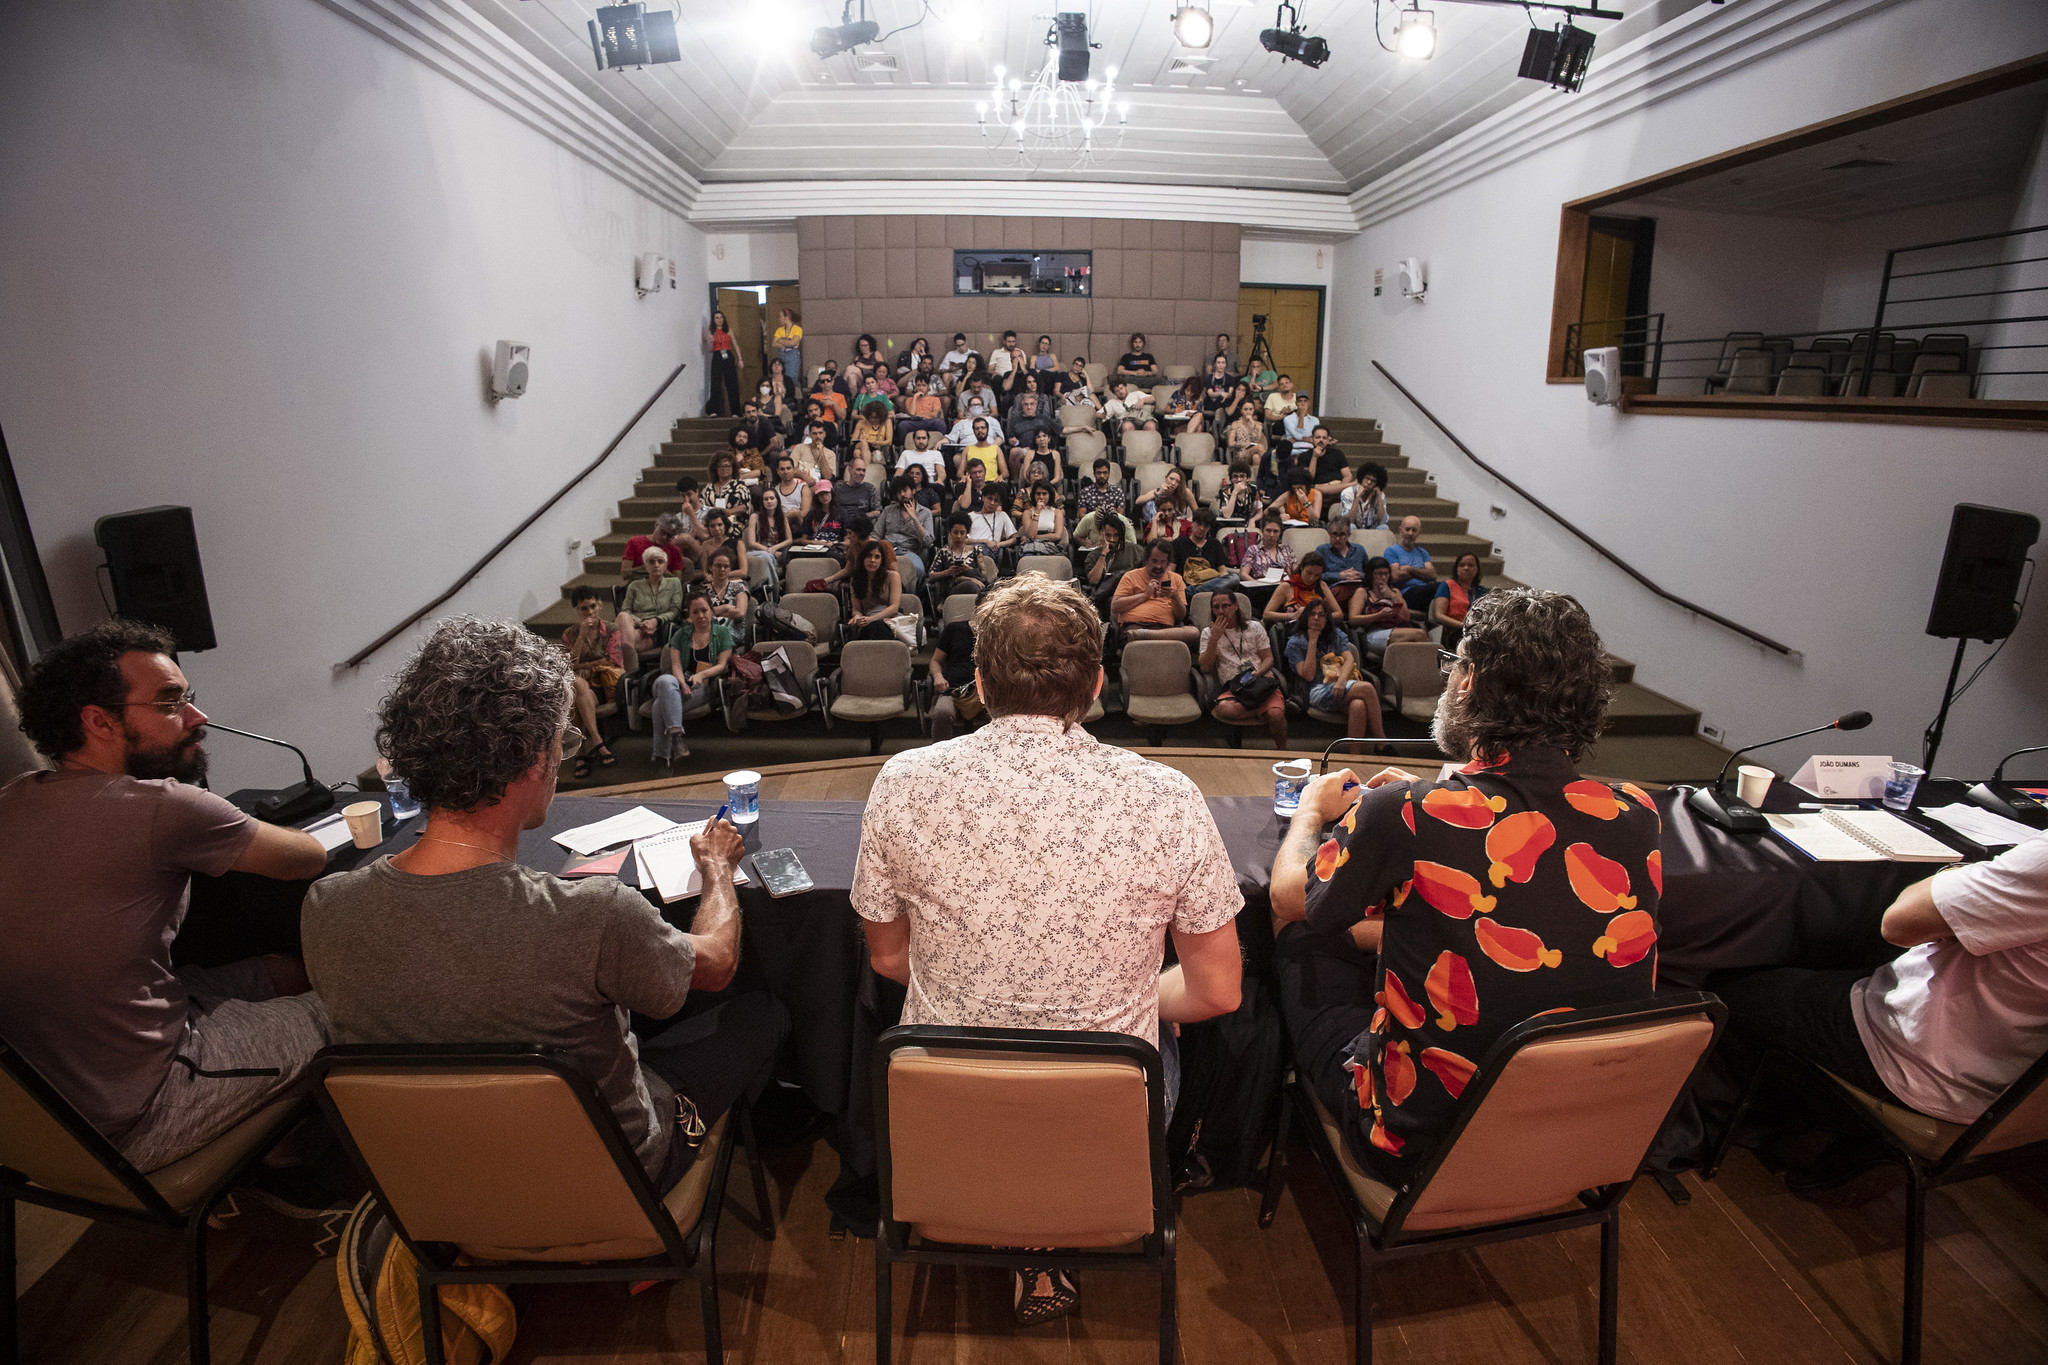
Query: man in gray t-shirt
column 96, row 864
column 451, row 941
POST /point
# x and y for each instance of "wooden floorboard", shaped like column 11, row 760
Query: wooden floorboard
column 1744, row 1273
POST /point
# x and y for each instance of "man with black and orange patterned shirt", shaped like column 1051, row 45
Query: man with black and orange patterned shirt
column 1440, row 914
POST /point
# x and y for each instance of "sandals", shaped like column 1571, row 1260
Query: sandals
column 1042, row 1293
column 582, row 768
column 605, row 756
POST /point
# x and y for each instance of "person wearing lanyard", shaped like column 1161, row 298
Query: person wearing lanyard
column 725, row 366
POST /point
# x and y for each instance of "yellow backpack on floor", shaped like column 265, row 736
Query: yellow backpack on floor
column 380, row 1294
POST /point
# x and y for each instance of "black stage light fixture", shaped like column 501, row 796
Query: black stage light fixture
column 1291, row 43
column 627, row 35
column 1072, row 31
column 830, row 42
column 1559, row 58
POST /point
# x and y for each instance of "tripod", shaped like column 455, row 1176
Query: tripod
column 1260, row 357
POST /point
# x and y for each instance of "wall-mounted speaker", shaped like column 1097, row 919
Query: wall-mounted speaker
column 153, row 560
column 1603, row 375
column 1414, row 279
column 648, row 272
column 1977, row 595
column 508, row 369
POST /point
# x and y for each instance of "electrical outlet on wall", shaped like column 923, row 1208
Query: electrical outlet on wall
column 1496, row 512
column 1712, row 732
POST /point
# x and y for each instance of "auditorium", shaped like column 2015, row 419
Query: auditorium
column 1223, row 681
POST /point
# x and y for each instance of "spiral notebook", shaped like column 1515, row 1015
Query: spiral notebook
column 1860, row 836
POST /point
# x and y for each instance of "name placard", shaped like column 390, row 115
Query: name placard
column 1845, row 777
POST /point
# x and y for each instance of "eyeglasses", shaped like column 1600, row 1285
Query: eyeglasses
column 572, row 742
column 169, row 707
column 1447, row 660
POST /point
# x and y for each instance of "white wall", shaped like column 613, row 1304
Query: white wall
column 2028, row 270
column 749, row 257
column 256, row 260
column 1824, row 535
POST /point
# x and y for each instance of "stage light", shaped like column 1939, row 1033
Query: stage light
column 1558, row 58
column 830, row 42
column 1193, row 26
column 627, row 35
column 1072, row 30
column 963, row 22
column 1290, row 42
column 1415, row 34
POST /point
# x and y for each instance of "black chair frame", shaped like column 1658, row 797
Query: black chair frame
column 1388, row 1239
column 1923, row 1175
column 685, row 1255
column 1156, row 1254
column 156, row 1211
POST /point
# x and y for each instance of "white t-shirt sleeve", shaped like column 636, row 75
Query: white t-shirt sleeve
column 2001, row 904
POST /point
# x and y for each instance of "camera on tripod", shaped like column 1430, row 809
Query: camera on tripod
column 1259, row 320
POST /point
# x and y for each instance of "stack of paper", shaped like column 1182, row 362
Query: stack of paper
column 637, row 823
column 665, row 863
column 1986, row 828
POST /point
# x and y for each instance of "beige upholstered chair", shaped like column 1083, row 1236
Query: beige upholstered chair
column 508, row 1154
column 1934, row 387
column 1412, row 667
column 1147, row 477
column 1192, row 448
column 962, row 1113
column 2012, row 1131
column 821, row 611
column 803, row 661
column 803, row 568
column 1549, row 1134
column 1160, row 686
column 1083, row 447
column 1055, row 566
column 1142, row 447
column 50, row 1155
column 1208, row 480
column 1302, row 539
column 871, row 685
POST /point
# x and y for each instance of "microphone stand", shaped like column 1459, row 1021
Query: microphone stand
column 1365, row 739
column 1719, row 806
column 295, row 802
column 1996, row 797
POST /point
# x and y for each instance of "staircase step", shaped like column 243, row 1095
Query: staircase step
column 1619, row 668
column 1405, row 504
column 1655, row 758
column 1636, row 710
column 552, row 620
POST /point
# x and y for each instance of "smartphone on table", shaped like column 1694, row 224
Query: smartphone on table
column 781, row 871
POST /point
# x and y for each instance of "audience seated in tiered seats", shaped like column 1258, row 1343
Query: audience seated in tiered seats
column 1324, row 667
column 1454, row 597
column 1414, row 577
column 1239, row 657
column 652, row 604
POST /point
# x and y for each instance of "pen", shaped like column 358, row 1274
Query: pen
column 1826, row 805
column 721, row 812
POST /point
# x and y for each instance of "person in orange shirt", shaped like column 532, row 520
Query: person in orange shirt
column 1151, row 603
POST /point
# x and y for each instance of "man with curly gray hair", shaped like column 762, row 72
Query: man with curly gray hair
column 452, row 941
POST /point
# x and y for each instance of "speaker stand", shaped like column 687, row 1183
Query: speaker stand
column 1932, row 745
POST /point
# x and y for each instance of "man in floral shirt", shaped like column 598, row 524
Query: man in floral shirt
column 1441, row 914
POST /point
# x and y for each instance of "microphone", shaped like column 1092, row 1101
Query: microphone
column 1365, row 739
column 2001, row 798
column 1719, row 806
column 295, row 802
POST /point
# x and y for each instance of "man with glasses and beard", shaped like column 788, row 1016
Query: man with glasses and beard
column 96, row 864
column 1439, row 914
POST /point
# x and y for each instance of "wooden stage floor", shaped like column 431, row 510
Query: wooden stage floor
column 1744, row 1273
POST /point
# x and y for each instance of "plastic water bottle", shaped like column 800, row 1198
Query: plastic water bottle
column 403, row 807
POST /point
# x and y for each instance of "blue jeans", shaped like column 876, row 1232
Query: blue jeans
column 669, row 705
column 792, row 358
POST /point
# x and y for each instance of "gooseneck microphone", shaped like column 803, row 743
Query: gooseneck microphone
column 1720, row 806
column 2013, row 802
column 295, row 802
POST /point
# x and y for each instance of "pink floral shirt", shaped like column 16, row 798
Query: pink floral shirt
column 1041, row 870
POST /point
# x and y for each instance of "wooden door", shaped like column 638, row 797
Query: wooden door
column 743, row 310
column 1294, row 330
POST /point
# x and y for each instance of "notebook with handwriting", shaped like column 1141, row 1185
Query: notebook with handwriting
column 1860, row 836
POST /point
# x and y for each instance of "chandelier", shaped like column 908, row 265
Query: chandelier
column 1051, row 123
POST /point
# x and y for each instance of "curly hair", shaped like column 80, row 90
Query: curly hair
column 1537, row 674
column 82, row 671
column 1039, row 647
column 472, row 711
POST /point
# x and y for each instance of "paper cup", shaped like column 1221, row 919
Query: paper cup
column 365, row 823
column 1753, row 784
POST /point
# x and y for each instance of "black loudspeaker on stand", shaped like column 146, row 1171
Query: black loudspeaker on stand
column 1977, row 595
column 153, row 560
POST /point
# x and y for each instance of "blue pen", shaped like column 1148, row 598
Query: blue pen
column 721, row 812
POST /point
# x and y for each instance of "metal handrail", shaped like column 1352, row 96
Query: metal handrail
column 1884, row 288
column 1616, row 560
column 388, row 636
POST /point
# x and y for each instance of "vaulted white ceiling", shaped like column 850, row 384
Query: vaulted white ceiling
column 749, row 102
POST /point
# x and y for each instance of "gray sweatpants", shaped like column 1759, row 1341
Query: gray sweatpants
column 241, row 1025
